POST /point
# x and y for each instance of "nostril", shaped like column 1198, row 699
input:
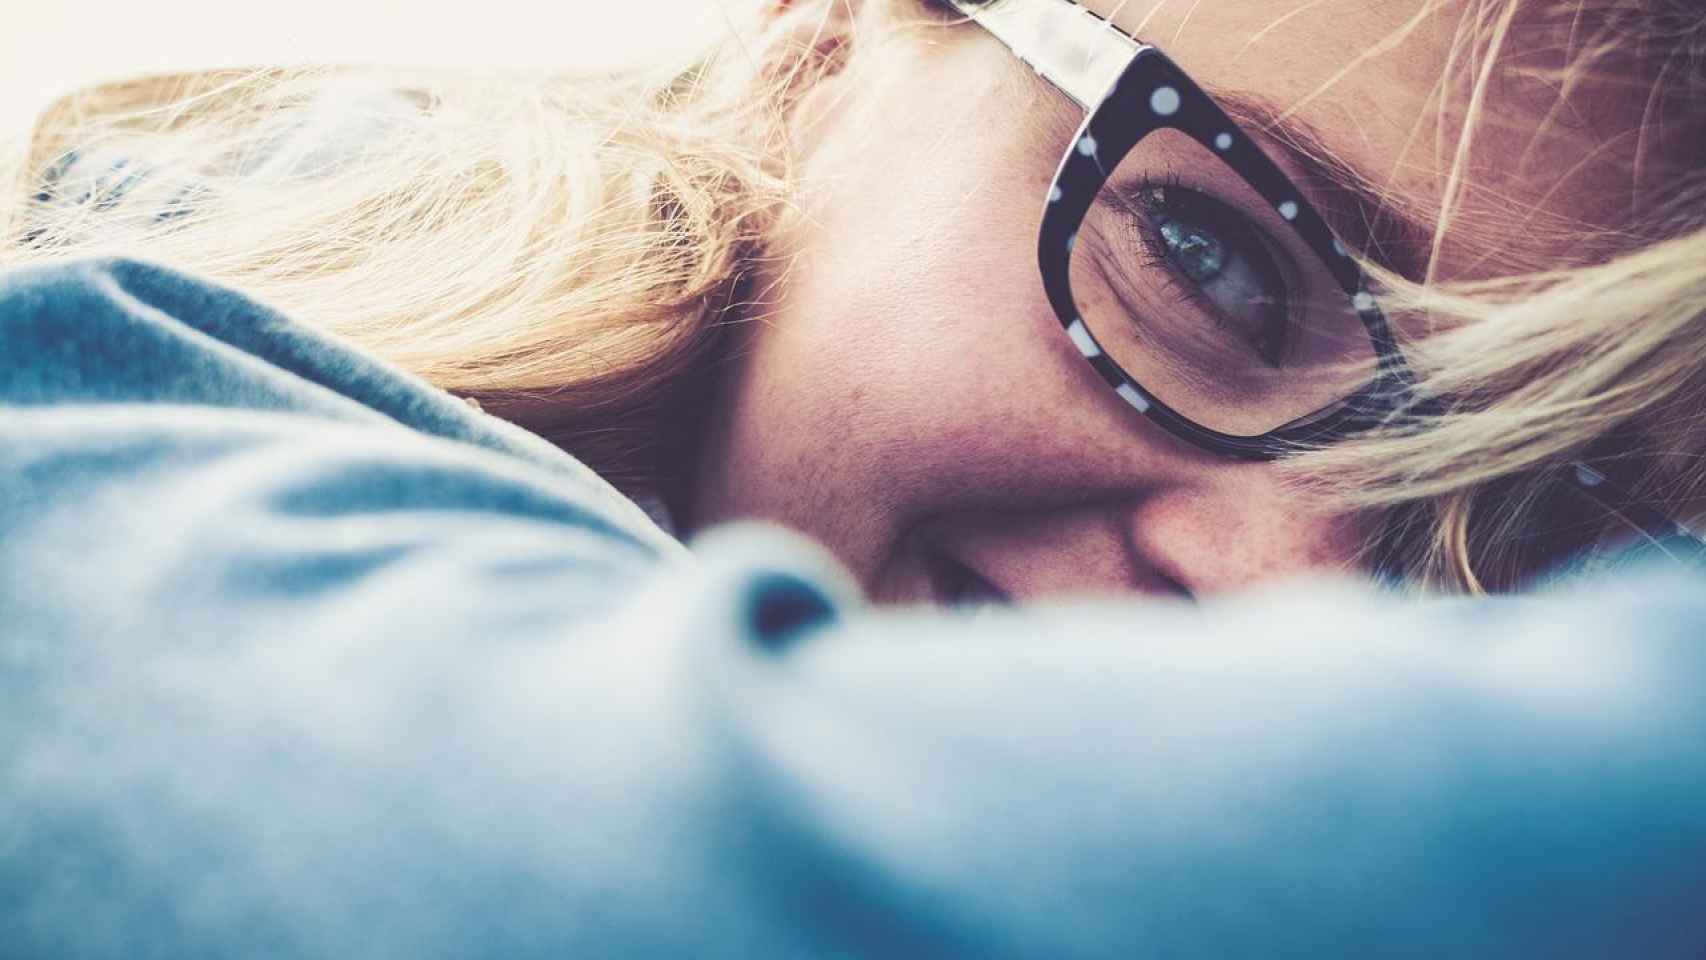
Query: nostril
column 956, row 584
column 781, row 606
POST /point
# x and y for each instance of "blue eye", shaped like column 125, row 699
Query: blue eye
column 1199, row 253
column 1220, row 259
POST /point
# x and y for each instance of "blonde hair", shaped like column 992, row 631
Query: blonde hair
column 554, row 247
column 561, row 248
column 1602, row 351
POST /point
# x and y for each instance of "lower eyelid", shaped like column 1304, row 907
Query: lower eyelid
column 1182, row 289
column 1190, row 291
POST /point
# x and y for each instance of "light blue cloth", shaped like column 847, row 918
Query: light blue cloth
column 302, row 657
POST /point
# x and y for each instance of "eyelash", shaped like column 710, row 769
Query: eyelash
column 1183, row 288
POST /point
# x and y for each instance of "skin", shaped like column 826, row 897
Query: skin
column 904, row 389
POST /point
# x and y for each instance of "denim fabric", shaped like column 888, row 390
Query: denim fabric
column 300, row 657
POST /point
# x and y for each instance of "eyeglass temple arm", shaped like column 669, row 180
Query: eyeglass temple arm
column 1072, row 48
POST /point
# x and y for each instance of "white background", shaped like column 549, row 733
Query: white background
column 48, row 47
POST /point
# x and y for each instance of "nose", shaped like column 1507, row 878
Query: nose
column 1180, row 541
column 1052, row 552
column 1245, row 526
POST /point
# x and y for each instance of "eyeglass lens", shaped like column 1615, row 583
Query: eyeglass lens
column 1205, row 294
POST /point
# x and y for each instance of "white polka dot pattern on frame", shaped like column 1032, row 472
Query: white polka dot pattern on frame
column 1132, row 397
column 1081, row 337
column 1071, row 241
column 1054, row 194
column 1223, row 142
column 1287, row 209
column 1363, row 301
column 1087, row 145
column 1164, row 101
column 1339, row 248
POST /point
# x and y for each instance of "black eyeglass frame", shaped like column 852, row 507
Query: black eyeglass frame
column 1114, row 124
column 1152, row 94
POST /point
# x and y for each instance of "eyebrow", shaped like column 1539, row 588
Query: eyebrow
column 1345, row 195
column 1354, row 208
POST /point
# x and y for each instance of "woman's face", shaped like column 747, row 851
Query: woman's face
column 905, row 394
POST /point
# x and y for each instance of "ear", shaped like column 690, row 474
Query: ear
column 812, row 23
column 813, row 37
column 807, row 46
column 817, row 49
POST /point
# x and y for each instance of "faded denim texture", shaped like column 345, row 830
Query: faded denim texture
column 301, row 657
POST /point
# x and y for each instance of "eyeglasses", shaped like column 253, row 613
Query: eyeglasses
column 1194, row 275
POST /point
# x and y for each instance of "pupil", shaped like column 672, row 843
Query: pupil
column 1201, row 255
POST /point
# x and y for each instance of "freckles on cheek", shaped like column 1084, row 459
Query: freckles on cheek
column 890, row 374
column 1280, row 531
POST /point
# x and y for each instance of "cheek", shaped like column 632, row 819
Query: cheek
column 911, row 317
column 1230, row 525
column 888, row 387
column 905, row 357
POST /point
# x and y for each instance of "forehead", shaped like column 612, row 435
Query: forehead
column 1313, row 39
column 1370, row 63
column 1385, row 86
